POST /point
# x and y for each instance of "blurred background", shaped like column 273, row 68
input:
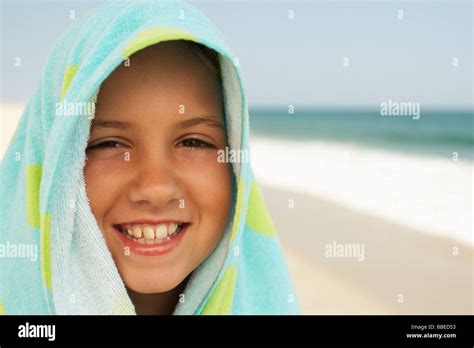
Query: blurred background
column 374, row 212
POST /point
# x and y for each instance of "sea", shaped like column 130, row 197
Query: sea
column 417, row 172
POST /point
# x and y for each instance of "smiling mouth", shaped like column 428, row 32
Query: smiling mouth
column 150, row 234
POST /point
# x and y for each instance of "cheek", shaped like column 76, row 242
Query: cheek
column 102, row 183
column 210, row 188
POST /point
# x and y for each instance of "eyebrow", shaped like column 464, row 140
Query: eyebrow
column 208, row 120
column 110, row 124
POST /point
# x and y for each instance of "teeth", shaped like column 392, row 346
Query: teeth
column 149, row 233
column 137, row 232
column 172, row 228
column 161, row 232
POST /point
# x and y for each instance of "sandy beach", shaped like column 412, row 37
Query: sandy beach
column 404, row 271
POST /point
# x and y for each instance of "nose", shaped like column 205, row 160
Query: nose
column 155, row 182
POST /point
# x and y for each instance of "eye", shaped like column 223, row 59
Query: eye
column 108, row 144
column 197, row 143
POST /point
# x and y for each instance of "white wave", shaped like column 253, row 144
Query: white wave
column 431, row 194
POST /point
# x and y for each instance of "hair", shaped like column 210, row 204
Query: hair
column 209, row 57
column 211, row 60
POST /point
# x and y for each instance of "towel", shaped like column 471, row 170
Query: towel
column 53, row 256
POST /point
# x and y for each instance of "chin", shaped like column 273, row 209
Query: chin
column 150, row 288
column 145, row 283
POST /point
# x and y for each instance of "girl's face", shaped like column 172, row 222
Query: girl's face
column 152, row 166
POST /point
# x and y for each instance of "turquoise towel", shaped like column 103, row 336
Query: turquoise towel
column 44, row 206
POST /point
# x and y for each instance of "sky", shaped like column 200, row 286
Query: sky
column 402, row 56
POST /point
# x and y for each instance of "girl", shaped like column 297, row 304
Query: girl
column 132, row 205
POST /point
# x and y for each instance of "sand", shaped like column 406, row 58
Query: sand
column 404, row 271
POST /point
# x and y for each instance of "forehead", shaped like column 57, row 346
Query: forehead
column 172, row 57
column 170, row 77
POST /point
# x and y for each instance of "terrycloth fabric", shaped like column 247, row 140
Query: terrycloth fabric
column 42, row 190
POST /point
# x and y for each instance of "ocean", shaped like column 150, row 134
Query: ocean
column 435, row 133
column 417, row 173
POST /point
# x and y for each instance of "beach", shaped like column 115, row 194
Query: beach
column 410, row 216
column 398, row 261
column 429, row 193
